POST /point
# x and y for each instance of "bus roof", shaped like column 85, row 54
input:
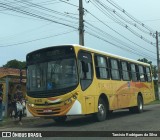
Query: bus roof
column 111, row 55
column 96, row 51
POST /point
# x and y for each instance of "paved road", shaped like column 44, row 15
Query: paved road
column 149, row 120
column 121, row 120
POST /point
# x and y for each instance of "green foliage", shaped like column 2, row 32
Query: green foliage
column 145, row 61
column 155, row 102
column 15, row 64
column 154, row 67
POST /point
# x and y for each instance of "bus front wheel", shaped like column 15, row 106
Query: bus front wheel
column 60, row 119
column 102, row 111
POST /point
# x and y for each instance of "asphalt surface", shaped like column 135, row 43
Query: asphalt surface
column 121, row 120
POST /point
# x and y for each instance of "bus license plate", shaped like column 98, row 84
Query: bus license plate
column 47, row 110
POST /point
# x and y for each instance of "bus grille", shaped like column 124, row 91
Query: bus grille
column 53, row 112
column 48, row 104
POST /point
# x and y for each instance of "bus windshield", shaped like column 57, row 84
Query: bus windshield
column 56, row 74
column 51, row 71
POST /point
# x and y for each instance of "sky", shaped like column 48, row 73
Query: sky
column 104, row 30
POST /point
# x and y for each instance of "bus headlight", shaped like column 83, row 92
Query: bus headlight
column 68, row 101
column 32, row 105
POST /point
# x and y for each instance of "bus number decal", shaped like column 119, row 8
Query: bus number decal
column 38, row 100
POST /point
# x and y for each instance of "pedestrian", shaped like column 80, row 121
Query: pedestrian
column 9, row 105
column 1, row 100
column 18, row 107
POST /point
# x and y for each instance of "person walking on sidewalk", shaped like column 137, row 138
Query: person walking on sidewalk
column 1, row 100
column 18, row 97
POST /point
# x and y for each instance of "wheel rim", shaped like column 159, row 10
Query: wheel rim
column 140, row 105
column 101, row 109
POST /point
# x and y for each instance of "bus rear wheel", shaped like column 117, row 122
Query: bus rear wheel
column 139, row 107
column 102, row 111
column 60, row 119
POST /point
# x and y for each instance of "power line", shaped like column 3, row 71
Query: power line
column 130, row 16
column 18, row 16
column 121, row 23
column 34, row 14
column 31, row 11
column 8, row 3
column 25, row 42
column 32, row 5
column 44, row 8
column 103, row 39
column 113, row 11
column 20, row 10
column 117, row 32
column 27, row 31
column 15, row 9
column 106, row 21
column 113, row 38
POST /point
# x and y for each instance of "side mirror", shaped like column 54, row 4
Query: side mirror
column 85, row 67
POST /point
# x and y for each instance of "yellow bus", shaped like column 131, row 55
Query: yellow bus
column 76, row 80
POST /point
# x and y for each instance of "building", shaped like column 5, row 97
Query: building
column 9, row 79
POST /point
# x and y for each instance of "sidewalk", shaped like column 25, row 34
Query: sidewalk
column 9, row 122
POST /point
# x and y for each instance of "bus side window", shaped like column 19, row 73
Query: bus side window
column 125, row 72
column 134, row 72
column 81, row 74
column 141, row 72
column 102, row 71
column 114, row 69
column 85, row 69
column 148, row 74
column 137, row 72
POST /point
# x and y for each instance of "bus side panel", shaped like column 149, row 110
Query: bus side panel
column 148, row 93
column 128, row 92
column 89, row 98
column 106, row 87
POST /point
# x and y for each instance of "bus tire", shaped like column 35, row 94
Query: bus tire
column 60, row 119
column 139, row 107
column 102, row 111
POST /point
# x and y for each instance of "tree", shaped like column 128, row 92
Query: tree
column 15, row 64
column 154, row 67
column 145, row 61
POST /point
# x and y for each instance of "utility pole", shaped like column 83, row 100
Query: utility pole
column 81, row 24
column 158, row 65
